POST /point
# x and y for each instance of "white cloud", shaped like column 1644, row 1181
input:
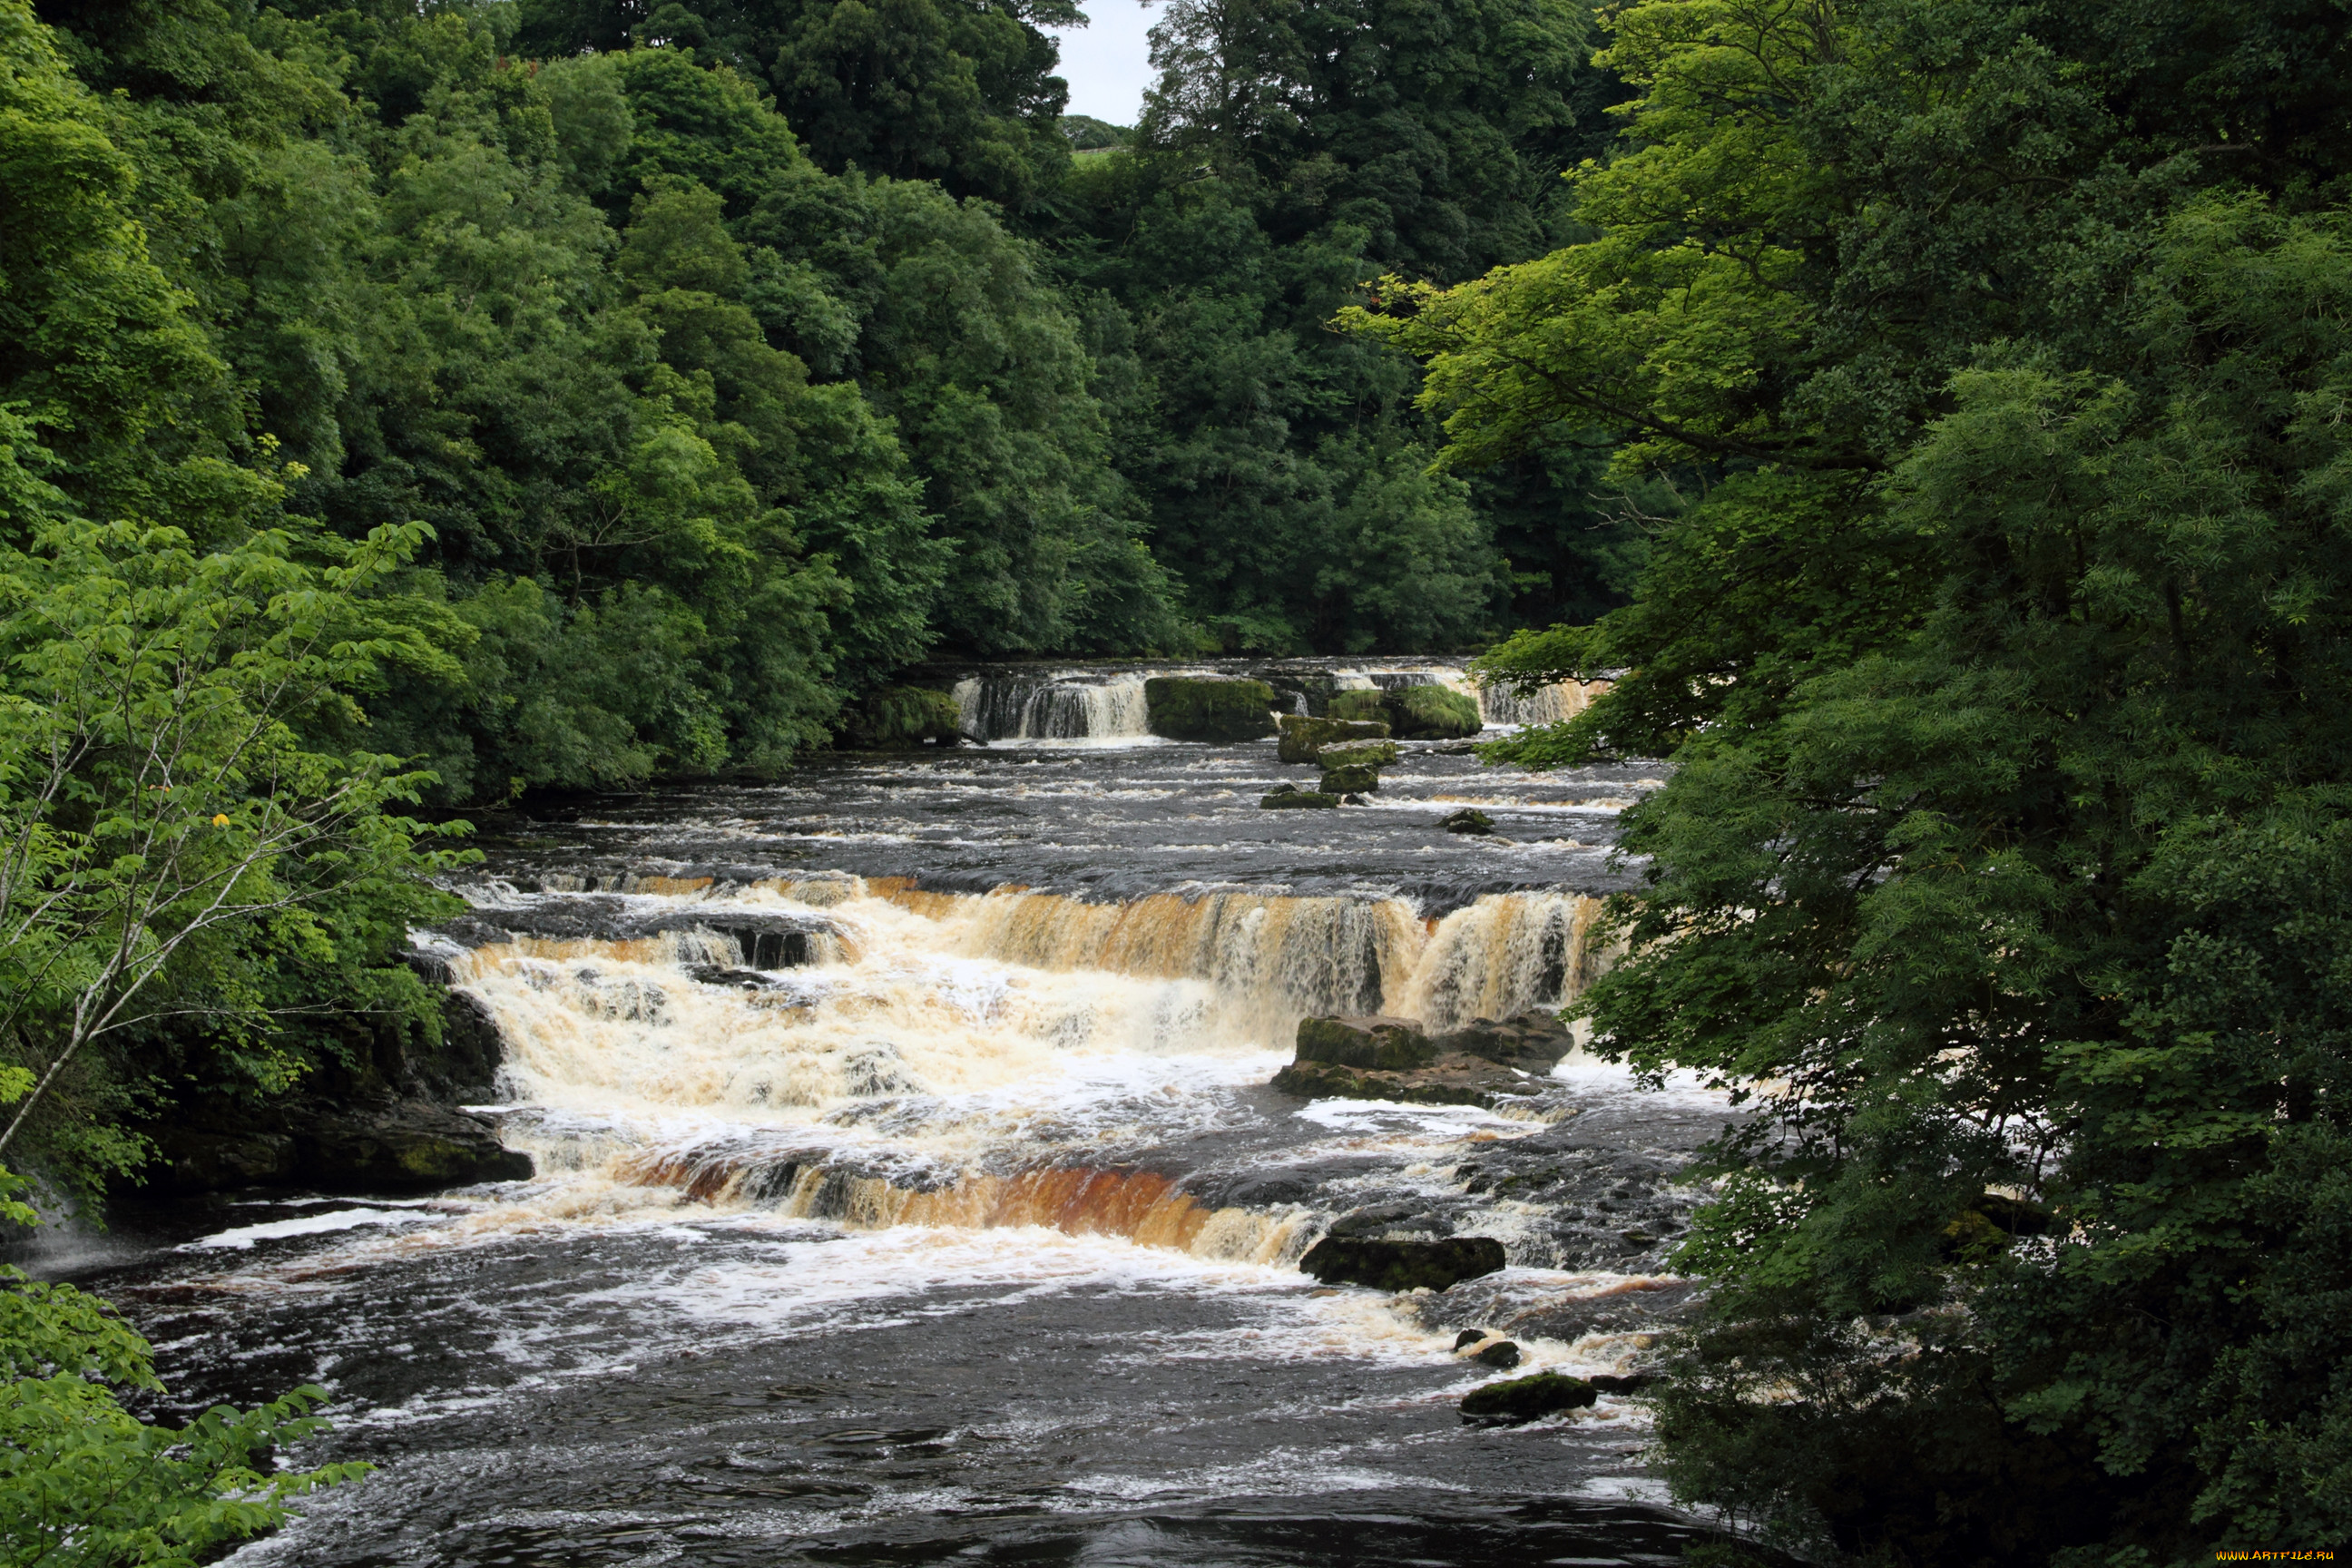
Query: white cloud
column 1107, row 63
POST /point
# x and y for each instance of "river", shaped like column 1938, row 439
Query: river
column 908, row 1189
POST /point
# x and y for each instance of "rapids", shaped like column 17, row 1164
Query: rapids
column 908, row 1190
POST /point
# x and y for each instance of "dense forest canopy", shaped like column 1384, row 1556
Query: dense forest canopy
column 739, row 358
column 1997, row 355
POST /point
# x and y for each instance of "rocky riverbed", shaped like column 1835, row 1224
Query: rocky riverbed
column 920, row 1171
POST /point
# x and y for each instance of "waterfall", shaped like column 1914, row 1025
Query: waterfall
column 1502, row 956
column 1545, row 705
column 911, row 993
column 1137, row 1206
column 1073, row 704
column 1058, row 708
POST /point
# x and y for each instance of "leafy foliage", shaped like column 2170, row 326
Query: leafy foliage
column 84, row 1481
column 1994, row 356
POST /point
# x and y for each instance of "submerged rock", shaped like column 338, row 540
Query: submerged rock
column 1303, row 739
column 1392, row 1265
column 1520, row 1399
column 1467, row 820
column 1208, row 708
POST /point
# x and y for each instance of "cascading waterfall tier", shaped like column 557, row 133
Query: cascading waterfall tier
column 1100, row 704
column 982, row 1046
column 1061, row 708
column 914, row 992
column 1551, row 704
column 1142, row 1207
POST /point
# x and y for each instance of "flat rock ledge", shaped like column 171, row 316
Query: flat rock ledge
column 405, row 1145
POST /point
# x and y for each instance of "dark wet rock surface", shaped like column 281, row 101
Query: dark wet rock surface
column 396, row 1146
column 1519, row 1400
column 1386, row 1263
column 1110, row 823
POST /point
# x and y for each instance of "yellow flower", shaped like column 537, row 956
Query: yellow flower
column 220, row 821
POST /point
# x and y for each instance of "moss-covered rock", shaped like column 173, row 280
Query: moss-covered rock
column 1437, row 712
column 1375, row 753
column 905, row 716
column 1351, row 778
column 1389, row 1265
column 1389, row 1045
column 1372, row 1058
column 1364, row 706
column 1513, row 1400
column 1208, row 708
column 1467, row 820
column 1291, row 798
column 1303, row 739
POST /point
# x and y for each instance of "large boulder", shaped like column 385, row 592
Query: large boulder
column 1486, row 1064
column 1303, row 739
column 1513, row 1400
column 1349, row 778
column 899, row 716
column 1535, row 1041
column 1208, row 708
column 1391, row 1044
column 1365, row 705
column 1437, row 712
column 1395, row 1265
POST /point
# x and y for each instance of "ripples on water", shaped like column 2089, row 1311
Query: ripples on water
column 975, row 1237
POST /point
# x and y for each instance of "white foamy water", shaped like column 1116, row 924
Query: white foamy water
column 985, row 1007
column 241, row 1239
